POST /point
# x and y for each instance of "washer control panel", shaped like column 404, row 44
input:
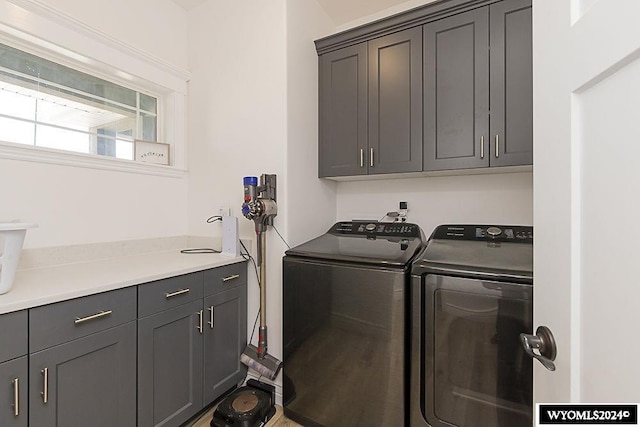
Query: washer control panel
column 402, row 229
column 496, row 233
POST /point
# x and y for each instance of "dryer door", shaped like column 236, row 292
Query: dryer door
column 475, row 371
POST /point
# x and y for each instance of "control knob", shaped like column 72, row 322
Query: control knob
column 370, row 227
column 494, row 232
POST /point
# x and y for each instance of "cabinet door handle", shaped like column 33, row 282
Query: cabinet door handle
column 176, row 293
column 482, row 147
column 371, row 157
column 200, row 321
column 16, row 397
column 226, row 279
column 497, row 146
column 362, row 157
column 45, row 385
column 80, row 320
column 210, row 322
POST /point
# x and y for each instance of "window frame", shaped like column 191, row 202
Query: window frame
column 44, row 32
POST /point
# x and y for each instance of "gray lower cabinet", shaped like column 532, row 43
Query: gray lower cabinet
column 478, row 88
column 13, row 393
column 225, row 338
column 190, row 339
column 371, row 107
column 90, row 381
column 14, row 404
column 170, row 366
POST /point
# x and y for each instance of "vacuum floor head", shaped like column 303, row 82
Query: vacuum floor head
column 267, row 367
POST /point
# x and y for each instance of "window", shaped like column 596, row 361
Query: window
column 46, row 104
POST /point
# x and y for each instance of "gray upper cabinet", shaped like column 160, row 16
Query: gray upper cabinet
column 456, row 96
column 371, row 107
column 395, row 102
column 478, row 88
column 343, row 112
column 449, row 86
column 511, row 83
column 90, row 381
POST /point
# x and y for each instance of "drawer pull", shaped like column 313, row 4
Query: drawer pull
column 226, row 279
column 176, row 293
column 45, row 385
column 210, row 322
column 80, row 320
column 200, row 321
column 16, row 397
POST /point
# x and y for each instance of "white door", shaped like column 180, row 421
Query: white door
column 586, row 197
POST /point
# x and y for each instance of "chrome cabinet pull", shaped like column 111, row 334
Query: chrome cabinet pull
column 80, row 320
column 497, row 147
column 200, row 321
column 371, row 158
column 482, row 147
column 176, row 293
column 226, row 279
column 362, row 157
column 16, row 397
column 45, row 385
column 210, row 322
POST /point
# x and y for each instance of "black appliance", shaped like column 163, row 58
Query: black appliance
column 472, row 293
column 344, row 325
column 249, row 406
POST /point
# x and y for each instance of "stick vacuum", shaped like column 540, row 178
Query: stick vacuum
column 260, row 206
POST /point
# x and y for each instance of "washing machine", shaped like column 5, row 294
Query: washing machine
column 345, row 306
column 471, row 298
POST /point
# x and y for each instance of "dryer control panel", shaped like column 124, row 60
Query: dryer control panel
column 496, row 233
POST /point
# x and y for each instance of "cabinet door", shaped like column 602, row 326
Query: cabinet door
column 224, row 340
column 456, row 95
column 511, row 83
column 13, row 393
column 395, row 102
column 170, row 366
column 90, row 381
column 343, row 112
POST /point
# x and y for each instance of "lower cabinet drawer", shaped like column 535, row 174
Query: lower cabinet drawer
column 220, row 279
column 54, row 324
column 13, row 335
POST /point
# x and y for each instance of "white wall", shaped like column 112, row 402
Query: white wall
column 237, row 121
column 505, row 199
column 157, row 27
column 75, row 205
column 311, row 208
column 253, row 110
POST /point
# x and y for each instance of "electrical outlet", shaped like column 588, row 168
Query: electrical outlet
column 224, row 211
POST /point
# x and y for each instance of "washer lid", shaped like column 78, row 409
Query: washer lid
column 491, row 251
column 386, row 244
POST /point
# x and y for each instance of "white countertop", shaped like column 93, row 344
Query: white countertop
column 46, row 285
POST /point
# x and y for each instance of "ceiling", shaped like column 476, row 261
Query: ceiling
column 340, row 11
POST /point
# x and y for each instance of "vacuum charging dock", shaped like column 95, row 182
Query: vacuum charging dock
column 252, row 405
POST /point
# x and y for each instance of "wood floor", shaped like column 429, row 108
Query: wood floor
column 278, row 420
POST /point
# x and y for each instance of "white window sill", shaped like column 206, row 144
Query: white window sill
column 21, row 152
